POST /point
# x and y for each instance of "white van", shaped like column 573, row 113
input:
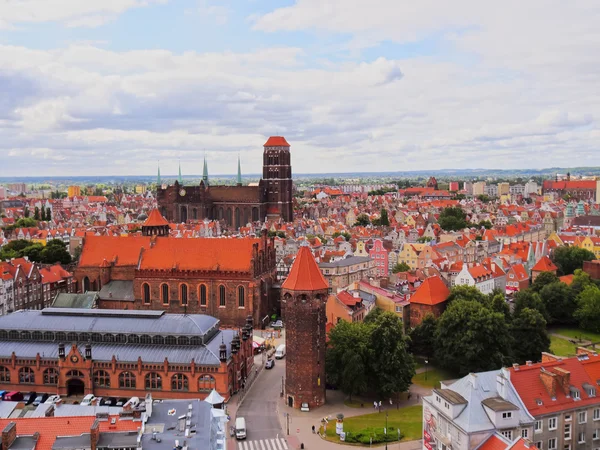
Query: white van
column 280, row 352
column 133, row 402
column 240, row 428
column 87, row 400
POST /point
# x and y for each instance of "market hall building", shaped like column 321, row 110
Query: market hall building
column 115, row 353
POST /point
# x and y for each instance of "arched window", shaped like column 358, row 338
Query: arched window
column 179, row 382
column 133, row 339
column 183, row 295
column 14, row 335
column 145, row 339
column 203, row 295
column 25, row 335
column 26, row 375
column 96, row 337
column 86, row 284
column 108, row 338
column 153, row 381
column 50, row 376
column 121, row 338
column 158, row 340
column 164, row 289
column 222, row 296
column 74, row 373
column 101, row 378
column 206, row 383
column 195, row 340
column 146, row 293
column 183, row 340
column 4, row 375
column 72, row 337
column 61, row 336
column 170, row 340
column 127, row 380
column 241, row 297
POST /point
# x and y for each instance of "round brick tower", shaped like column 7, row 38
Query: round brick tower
column 304, row 297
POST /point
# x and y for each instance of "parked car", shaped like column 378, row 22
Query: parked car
column 41, row 398
column 277, row 324
column 14, row 396
column 29, row 398
column 270, row 364
column 121, row 401
column 52, row 399
column 106, row 401
column 87, row 400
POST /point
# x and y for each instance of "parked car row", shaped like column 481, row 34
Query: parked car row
column 29, row 398
column 35, row 399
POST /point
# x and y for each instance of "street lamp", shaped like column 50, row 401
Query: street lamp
column 426, row 362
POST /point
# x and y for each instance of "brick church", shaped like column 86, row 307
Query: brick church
column 227, row 278
column 236, row 205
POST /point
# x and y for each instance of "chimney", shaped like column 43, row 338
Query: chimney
column 473, row 380
column 549, row 381
column 549, row 357
column 94, row 434
column 9, row 434
column 563, row 379
column 586, row 351
column 529, row 363
column 148, row 402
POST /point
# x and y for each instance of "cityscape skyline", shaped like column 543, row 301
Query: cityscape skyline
column 113, row 88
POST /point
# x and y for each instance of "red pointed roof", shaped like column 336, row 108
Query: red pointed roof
column 155, row 219
column 432, row 292
column 305, row 274
column 544, row 265
column 276, row 141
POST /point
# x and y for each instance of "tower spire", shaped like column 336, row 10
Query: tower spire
column 158, row 176
column 180, row 180
column 205, row 172
column 239, row 175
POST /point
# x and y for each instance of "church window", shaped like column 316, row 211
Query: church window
column 127, row 380
column 50, row 376
column 203, row 295
column 74, row 374
column 179, row 382
column 206, row 383
column 184, row 294
column 4, row 375
column 165, row 293
column 222, row 296
column 146, row 293
column 26, row 375
column 153, row 381
column 241, row 297
column 101, row 378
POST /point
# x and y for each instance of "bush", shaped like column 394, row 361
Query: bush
column 364, row 436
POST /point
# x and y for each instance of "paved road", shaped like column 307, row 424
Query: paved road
column 259, row 407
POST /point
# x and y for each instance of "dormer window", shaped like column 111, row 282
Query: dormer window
column 507, row 415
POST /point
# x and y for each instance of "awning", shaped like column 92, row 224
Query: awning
column 214, row 398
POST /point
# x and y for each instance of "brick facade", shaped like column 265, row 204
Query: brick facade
column 419, row 311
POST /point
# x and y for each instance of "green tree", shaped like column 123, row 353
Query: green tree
column 588, row 308
column 529, row 299
column 373, row 315
column 452, row 219
column 384, row 220
column 559, row 302
column 486, row 224
column 422, row 337
column 55, row 251
column 483, row 198
column 77, row 253
column 36, row 213
column 26, row 211
column 43, row 215
column 469, row 293
column 34, row 252
column 528, row 329
column 401, row 267
column 497, row 303
column 472, row 338
column 580, row 280
column 362, row 220
column 569, row 259
column 48, row 214
column 542, row 280
column 347, row 357
column 391, row 367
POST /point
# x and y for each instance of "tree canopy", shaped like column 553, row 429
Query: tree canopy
column 588, row 308
column 362, row 220
column 528, row 329
column 401, row 267
column 452, row 219
column 54, row 251
column 569, row 259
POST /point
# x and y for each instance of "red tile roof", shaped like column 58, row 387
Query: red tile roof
column 276, row 141
column 567, row 279
column 305, row 274
column 155, row 219
column 544, row 265
column 493, row 443
column 432, row 292
column 520, row 272
column 125, row 251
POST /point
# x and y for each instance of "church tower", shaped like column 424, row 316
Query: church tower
column 277, row 174
column 304, row 297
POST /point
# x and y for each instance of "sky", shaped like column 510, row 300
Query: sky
column 118, row 87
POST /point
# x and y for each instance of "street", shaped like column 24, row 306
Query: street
column 259, row 410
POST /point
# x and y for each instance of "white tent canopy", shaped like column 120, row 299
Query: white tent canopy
column 214, row 398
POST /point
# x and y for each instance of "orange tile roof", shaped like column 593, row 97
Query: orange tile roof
column 54, row 273
column 520, row 272
column 155, row 219
column 125, row 251
column 51, row 427
column 305, row 274
column 493, row 443
column 567, row 279
column 348, row 299
column 544, row 265
column 432, row 292
column 276, row 141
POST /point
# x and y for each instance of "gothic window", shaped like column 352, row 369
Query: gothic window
column 121, row 338
column 126, row 380
column 170, row 340
column 145, row 339
column 101, row 378
column 206, row 383
column 50, row 376
column 133, row 339
column 4, row 375
column 179, row 382
column 26, row 375
column 74, row 373
column 165, row 293
column 153, row 381
column 195, row 340
column 25, row 335
column 241, row 297
column 158, row 340
column 184, row 294
column 203, row 295
column 86, row 284
column 72, row 337
column 146, row 293
column 183, row 340
column 222, row 296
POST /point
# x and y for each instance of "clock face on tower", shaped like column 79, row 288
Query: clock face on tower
column 74, row 359
column 182, row 192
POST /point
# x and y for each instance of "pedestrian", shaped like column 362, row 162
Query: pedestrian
column 313, row 429
column 375, row 405
column 409, row 395
column 391, row 401
column 379, row 405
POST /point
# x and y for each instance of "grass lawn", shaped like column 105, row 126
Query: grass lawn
column 561, row 347
column 432, row 377
column 409, row 420
column 575, row 333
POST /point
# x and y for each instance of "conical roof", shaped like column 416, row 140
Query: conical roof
column 305, row 274
column 155, row 219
